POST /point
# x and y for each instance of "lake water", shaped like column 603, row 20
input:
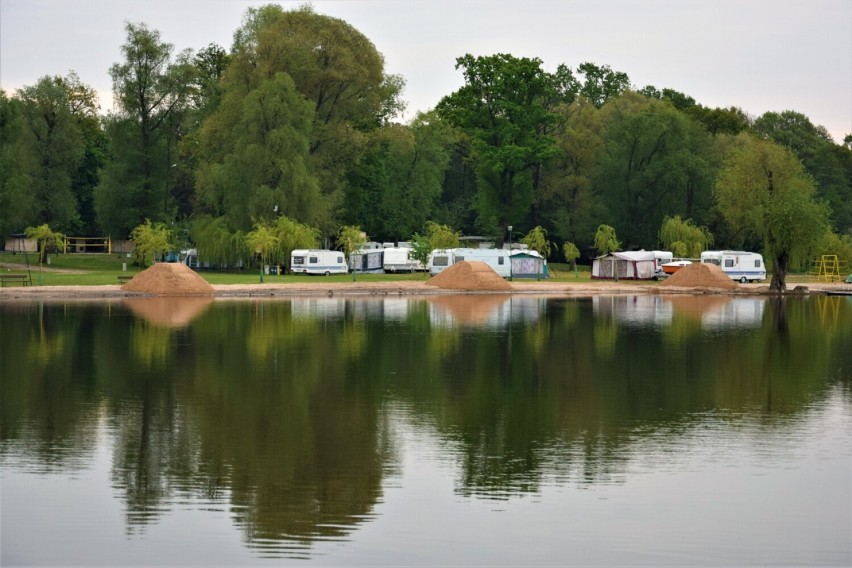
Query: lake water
column 465, row 430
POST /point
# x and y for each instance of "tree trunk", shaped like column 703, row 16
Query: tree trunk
column 779, row 274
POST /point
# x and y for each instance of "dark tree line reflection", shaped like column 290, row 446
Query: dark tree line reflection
column 275, row 411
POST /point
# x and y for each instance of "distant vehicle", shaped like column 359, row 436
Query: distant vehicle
column 497, row 259
column 674, row 266
column 399, row 259
column 739, row 265
column 316, row 261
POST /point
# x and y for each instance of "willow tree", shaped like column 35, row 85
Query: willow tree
column 764, row 188
column 683, row 238
column 335, row 70
column 605, row 240
column 254, row 157
column 262, row 242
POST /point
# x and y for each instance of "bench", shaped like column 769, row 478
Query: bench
column 124, row 278
column 24, row 279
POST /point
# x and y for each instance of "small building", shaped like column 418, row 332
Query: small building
column 529, row 264
column 625, row 265
column 18, row 242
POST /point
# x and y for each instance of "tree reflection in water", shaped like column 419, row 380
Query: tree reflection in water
column 276, row 411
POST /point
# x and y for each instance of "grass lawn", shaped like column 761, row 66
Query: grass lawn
column 101, row 269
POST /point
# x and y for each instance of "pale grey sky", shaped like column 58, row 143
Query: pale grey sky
column 759, row 55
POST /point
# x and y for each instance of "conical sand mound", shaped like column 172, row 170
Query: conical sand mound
column 469, row 275
column 169, row 279
column 700, row 275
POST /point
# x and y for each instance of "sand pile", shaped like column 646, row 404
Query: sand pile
column 168, row 279
column 700, row 275
column 469, row 275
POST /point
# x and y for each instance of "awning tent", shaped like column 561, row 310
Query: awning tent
column 627, row 265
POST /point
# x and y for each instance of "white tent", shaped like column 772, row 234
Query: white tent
column 628, row 265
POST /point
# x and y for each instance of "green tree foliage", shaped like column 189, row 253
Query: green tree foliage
column 56, row 140
column 570, row 203
column 822, row 159
column 151, row 92
column 571, row 253
column 764, row 188
column 46, row 238
column 396, row 186
column 537, row 240
column 150, row 240
column 215, row 242
column 262, row 242
column 441, row 236
column 255, row 150
column 605, row 240
column 293, row 235
column 683, row 238
column 600, row 83
column 653, row 165
column 502, row 108
column 350, row 239
column 335, row 68
column 17, row 162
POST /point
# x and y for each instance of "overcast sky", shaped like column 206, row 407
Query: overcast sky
column 758, row 55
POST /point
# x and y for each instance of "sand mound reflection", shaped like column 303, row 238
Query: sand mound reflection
column 167, row 311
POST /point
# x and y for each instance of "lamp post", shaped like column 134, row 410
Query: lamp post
column 510, row 253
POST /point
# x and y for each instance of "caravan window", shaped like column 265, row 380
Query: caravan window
column 729, row 262
column 757, row 263
column 313, row 260
column 339, row 259
column 299, row 260
column 440, row 261
column 499, row 260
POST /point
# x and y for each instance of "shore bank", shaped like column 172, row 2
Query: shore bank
column 408, row 288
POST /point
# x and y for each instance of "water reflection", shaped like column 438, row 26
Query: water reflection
column 713, row 312
column 290, row 417
column 168, row 311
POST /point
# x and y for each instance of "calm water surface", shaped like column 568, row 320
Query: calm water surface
column 469, row 430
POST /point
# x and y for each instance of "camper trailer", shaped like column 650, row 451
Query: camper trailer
column 313, row 261
column 497, row 259
column 739, row 265
column 398, row 259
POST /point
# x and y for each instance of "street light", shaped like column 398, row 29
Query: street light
column 510, row 253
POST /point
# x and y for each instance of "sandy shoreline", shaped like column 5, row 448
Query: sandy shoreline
column 407, row 288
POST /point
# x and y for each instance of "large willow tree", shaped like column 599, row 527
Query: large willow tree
column 299, row 95
column 764, row 188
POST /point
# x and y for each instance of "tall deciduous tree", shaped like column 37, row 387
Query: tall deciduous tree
column 255, row 152
column 764, row 187
column 819, row 155
column 17, row 162
column 336, row 69
column 503, row 108
column 652, row 166
column 56, row 140
column 151, row 90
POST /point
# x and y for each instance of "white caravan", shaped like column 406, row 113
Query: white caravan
column 739, row 265
column 313, row 261
column 497, row 259
column 399, row 259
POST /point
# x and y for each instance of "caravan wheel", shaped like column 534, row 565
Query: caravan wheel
column 743, row 280
column 327, row 273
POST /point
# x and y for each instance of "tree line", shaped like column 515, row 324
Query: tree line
column 300, row 120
